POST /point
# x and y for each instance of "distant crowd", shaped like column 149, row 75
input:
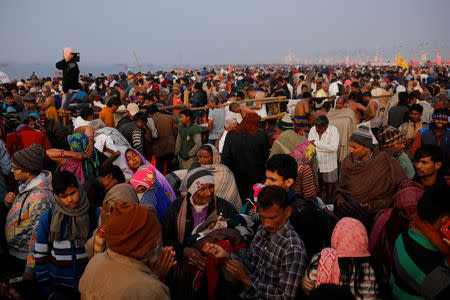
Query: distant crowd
column 228, row 182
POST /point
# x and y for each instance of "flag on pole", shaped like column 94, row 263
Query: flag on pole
column 401, row 62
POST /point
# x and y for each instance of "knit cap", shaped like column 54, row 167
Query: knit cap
column 29, row 98
column 362, row 136
column 132, row 230
column 30, row 159
column 196, row 177
column 389, row 136
column 285, row 123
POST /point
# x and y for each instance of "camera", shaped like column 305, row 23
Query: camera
column 76, row 56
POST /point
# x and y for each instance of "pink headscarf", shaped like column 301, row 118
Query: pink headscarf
column 349, row 239
column 143, row 177
column 67, row 51
column 347, row 83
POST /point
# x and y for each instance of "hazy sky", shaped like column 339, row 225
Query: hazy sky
column 210, row 31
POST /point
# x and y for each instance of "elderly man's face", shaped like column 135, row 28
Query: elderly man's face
column 358, row 151
column 204, row 195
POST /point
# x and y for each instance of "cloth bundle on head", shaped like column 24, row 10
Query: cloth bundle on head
column 389, row 136
column 144, row 177
column 304, row 153
column 132, row 230
column 119, row 193
column 30, row 159
column 349, row 239
column 195, row 178
column 285, row 122
column 67, row 51
column 145, row 164
column 133, row 109
column 79, row 143
column 362, row 136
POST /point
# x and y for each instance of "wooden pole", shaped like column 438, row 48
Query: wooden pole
column 137, row 61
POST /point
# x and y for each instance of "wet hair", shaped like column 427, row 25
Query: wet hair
column 272, row 195
column 140, row 116
column 306, row 95
column 434, row 204
column 86, row 112
column 432, row 151
column 233, row 106
column 403, row 98
column 114, row 170
column 152, row 109
column 214, row 100
column 355, row 85
column 321, row 121
column 62, row 180
column 367, row 94
column 7, row 94
column 188, row 113
column 331, row 291
column 416, row 107
column 114, row 101
column 284, row 165
column 326, row 105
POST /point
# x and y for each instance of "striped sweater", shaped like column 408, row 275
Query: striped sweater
column 419, row 270
column 62, row 263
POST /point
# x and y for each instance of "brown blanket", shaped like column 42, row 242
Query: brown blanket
column 370, row 181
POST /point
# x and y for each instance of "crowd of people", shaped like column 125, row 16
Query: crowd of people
column 186, row 185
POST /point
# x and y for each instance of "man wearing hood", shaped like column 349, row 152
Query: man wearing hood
column 34, row 197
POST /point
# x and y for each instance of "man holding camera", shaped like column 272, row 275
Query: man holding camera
column 71, row 72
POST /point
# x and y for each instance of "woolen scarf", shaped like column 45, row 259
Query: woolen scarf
column 77, row 229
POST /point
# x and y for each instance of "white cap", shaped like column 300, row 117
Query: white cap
column 132, row 108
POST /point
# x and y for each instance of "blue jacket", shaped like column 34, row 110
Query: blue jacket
column 429, row 138
column 61, row 263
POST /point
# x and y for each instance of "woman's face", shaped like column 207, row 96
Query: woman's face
column 205, row 157
column 134, row 161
